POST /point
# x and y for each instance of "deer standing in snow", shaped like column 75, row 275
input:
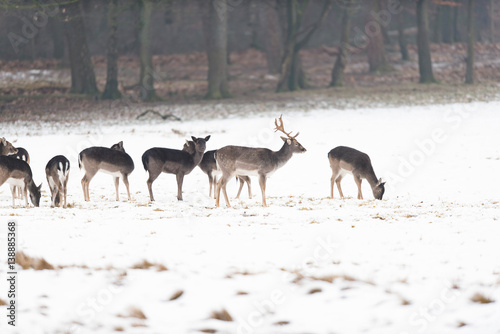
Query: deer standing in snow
column 57, row 172
column 158, row 159
column 112, row 161
column 348, row 160
column 261, row 162
column 17, row 173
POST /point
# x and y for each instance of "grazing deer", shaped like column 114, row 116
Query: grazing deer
column 112, row 160
column 209, row 166
column 348, row 160
column 17, row 173
column 23, row 155
column 157, row 160
column 57, row 172
column 262, row 162
column 6, row 148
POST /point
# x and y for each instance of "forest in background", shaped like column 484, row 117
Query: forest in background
column 160, row 50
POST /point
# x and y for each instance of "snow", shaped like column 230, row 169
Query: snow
column 306, row 264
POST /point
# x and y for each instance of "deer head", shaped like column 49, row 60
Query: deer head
column 290, row 140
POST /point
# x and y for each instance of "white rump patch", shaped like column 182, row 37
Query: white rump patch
column 15, row 182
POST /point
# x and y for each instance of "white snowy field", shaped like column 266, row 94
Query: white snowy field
column 410, row 263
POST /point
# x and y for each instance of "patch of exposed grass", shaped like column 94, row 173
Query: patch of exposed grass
column 221, row 315
column 134, row 312
column 176, row 295
column 27, row 262
column 481, row 299
column 2, row 302
column 145, row 264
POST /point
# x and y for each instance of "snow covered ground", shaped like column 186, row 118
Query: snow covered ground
column 410, row 263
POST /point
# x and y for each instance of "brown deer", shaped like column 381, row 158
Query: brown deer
column 262, row 162
column 23, row 155
column 348, row 160
column 158, row 159
column 6, row 148
column 17, row 173
column 112, row 160
column 57, row 172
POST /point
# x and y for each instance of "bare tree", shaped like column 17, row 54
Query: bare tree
column 214, row 16
column 292, row 75
column 424, row 52
column 343, row 54
column 375, row 50
column 82, row 71
column 270, row 32
column 401, row 35
column 111, row 91
column 469, row 74
column 147, row 73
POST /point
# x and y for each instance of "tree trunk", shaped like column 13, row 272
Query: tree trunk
column 375, row 50
column 424, row 53
column 469, row 74
column 342, row 57
column 214, row 15
column 401, row 37
column 270, row 33
column 56, row 32
column 438, row 26
column 292, row 75
column 492, row 21
column 447, row 24
column 456, row 21
column 147, row 72
column 111, row 91
column 82, row 71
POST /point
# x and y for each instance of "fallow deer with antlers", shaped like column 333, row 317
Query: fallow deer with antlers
column 261, row 162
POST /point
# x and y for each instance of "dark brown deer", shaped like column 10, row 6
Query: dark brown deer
column 17, row 173
column 57, row 172
column 114, row 161
column 262, row 162
column 157, row 160
column 348, row 160
column 6, row 148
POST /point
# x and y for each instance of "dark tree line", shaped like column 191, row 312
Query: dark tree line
column 280, row 28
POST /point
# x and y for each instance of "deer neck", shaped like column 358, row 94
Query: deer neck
column 371, row 178
column 197, row 156
column 284, row 154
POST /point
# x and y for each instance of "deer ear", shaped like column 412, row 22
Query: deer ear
column 120, row 144
column 284, row 138
column 194, row 139
column 207, row 138
column 39, row 187
column 380, row 182
column 3, row 140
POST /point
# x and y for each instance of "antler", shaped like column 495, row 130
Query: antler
column 282, row 128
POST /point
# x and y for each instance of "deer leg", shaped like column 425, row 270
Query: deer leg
column 222, row 185
column 13, row 191
column 262, row 182
column 249, row 182
column 339, row 179
column 117, row 184
column 180, row 178
column 215, row 183
column 65, row 190
column 210, row 183
column 241, row 186
column 25, row 193
column 57, row 193
column 358, row 181
column 151, row 179
column 125, row 182
column 89, row 174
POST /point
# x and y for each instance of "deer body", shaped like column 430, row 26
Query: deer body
column 57, row 172
column 113, row 161
column 345, row 160
column 23, row 155
column 157, row 160
column 261, row 162
column 17, row 173
column 209, row 166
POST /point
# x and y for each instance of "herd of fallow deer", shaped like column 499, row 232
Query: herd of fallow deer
column 226, row 162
